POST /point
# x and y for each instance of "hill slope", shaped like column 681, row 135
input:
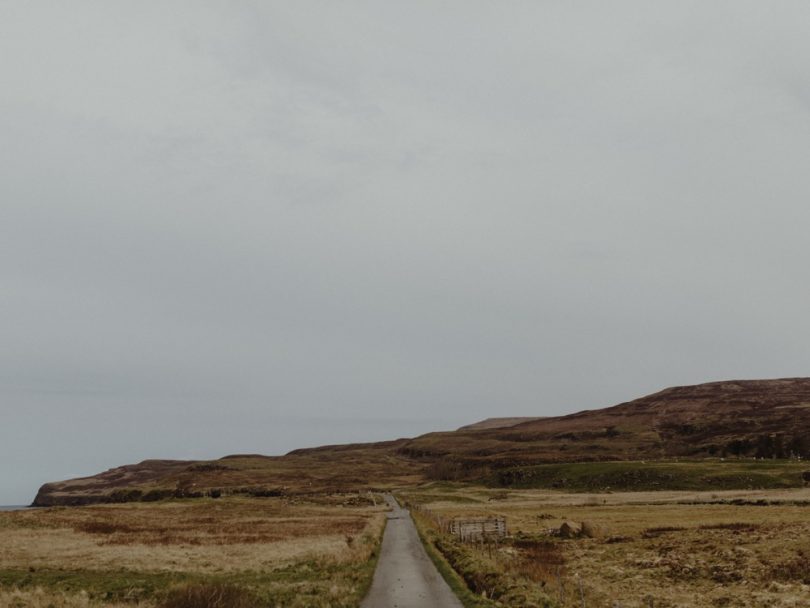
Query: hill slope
column 498, row 423
column 762, row 418
column 328, row 469
column 746, row 417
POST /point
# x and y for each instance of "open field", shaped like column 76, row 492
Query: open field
column 666, row 548
column 663, row 549
column 318, row 552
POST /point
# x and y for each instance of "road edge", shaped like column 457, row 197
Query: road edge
column 449, row 574
column 372, row 562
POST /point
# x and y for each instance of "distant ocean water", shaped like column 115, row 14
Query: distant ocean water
column 13, row 507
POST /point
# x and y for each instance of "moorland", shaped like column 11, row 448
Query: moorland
column 232, row 552
column 692, row 496
column 698, row 549
column 720, row 422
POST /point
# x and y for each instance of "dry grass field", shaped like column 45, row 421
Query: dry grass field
column 317, row 552
column 662, row 549
column 666, row 549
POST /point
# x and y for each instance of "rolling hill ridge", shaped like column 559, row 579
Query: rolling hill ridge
column 730, row 420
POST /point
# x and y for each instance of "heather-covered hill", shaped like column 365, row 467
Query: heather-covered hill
column 347, row 468
column 733, row 419
column 756, row 418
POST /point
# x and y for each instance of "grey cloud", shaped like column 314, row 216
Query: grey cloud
column 228, row 227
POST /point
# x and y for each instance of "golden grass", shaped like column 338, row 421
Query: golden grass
column 667, row 549
column 208, row 595
column 264, row 551
column 41, row 598
column 196, row 536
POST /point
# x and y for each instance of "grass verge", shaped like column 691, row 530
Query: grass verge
column 453, row 579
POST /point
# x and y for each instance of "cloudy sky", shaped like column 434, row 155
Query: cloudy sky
column 255, row 226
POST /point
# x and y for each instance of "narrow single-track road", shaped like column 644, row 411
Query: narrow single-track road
column 405, row 576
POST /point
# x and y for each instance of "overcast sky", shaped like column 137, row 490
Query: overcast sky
column 255, row 226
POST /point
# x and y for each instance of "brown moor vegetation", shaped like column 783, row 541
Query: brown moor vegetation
column 735, row 419
column 240, row 551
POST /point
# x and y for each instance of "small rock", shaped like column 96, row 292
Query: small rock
column 570, row 529
column 591, row 530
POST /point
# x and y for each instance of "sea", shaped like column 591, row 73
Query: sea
column 14, row 507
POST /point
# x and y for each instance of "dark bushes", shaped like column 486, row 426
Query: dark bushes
column 126, row 495
column 155, row 495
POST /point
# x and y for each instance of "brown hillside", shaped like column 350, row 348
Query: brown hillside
column 329, row 469
column 762, row 418
column 737, row 418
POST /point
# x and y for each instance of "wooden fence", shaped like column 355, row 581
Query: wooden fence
column 473, row 529
column 478, row 528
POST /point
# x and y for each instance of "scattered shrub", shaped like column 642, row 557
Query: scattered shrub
column 658, row 531
column 101, row 527
column 260, row 492
column 539, row 561
column 445, row 470
column 209, row 595
column 126, row 495
column 155, row 495
column 796, row 568
column 736, row 526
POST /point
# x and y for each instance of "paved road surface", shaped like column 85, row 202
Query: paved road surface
column 405, row 576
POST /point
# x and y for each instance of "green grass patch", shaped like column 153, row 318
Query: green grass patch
column 370, row 566
column 453, row 578
column 659, row 475
column 302, row 585
column 478, row 581
column 108, row 585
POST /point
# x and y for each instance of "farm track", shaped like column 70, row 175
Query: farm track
column 405, row 576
